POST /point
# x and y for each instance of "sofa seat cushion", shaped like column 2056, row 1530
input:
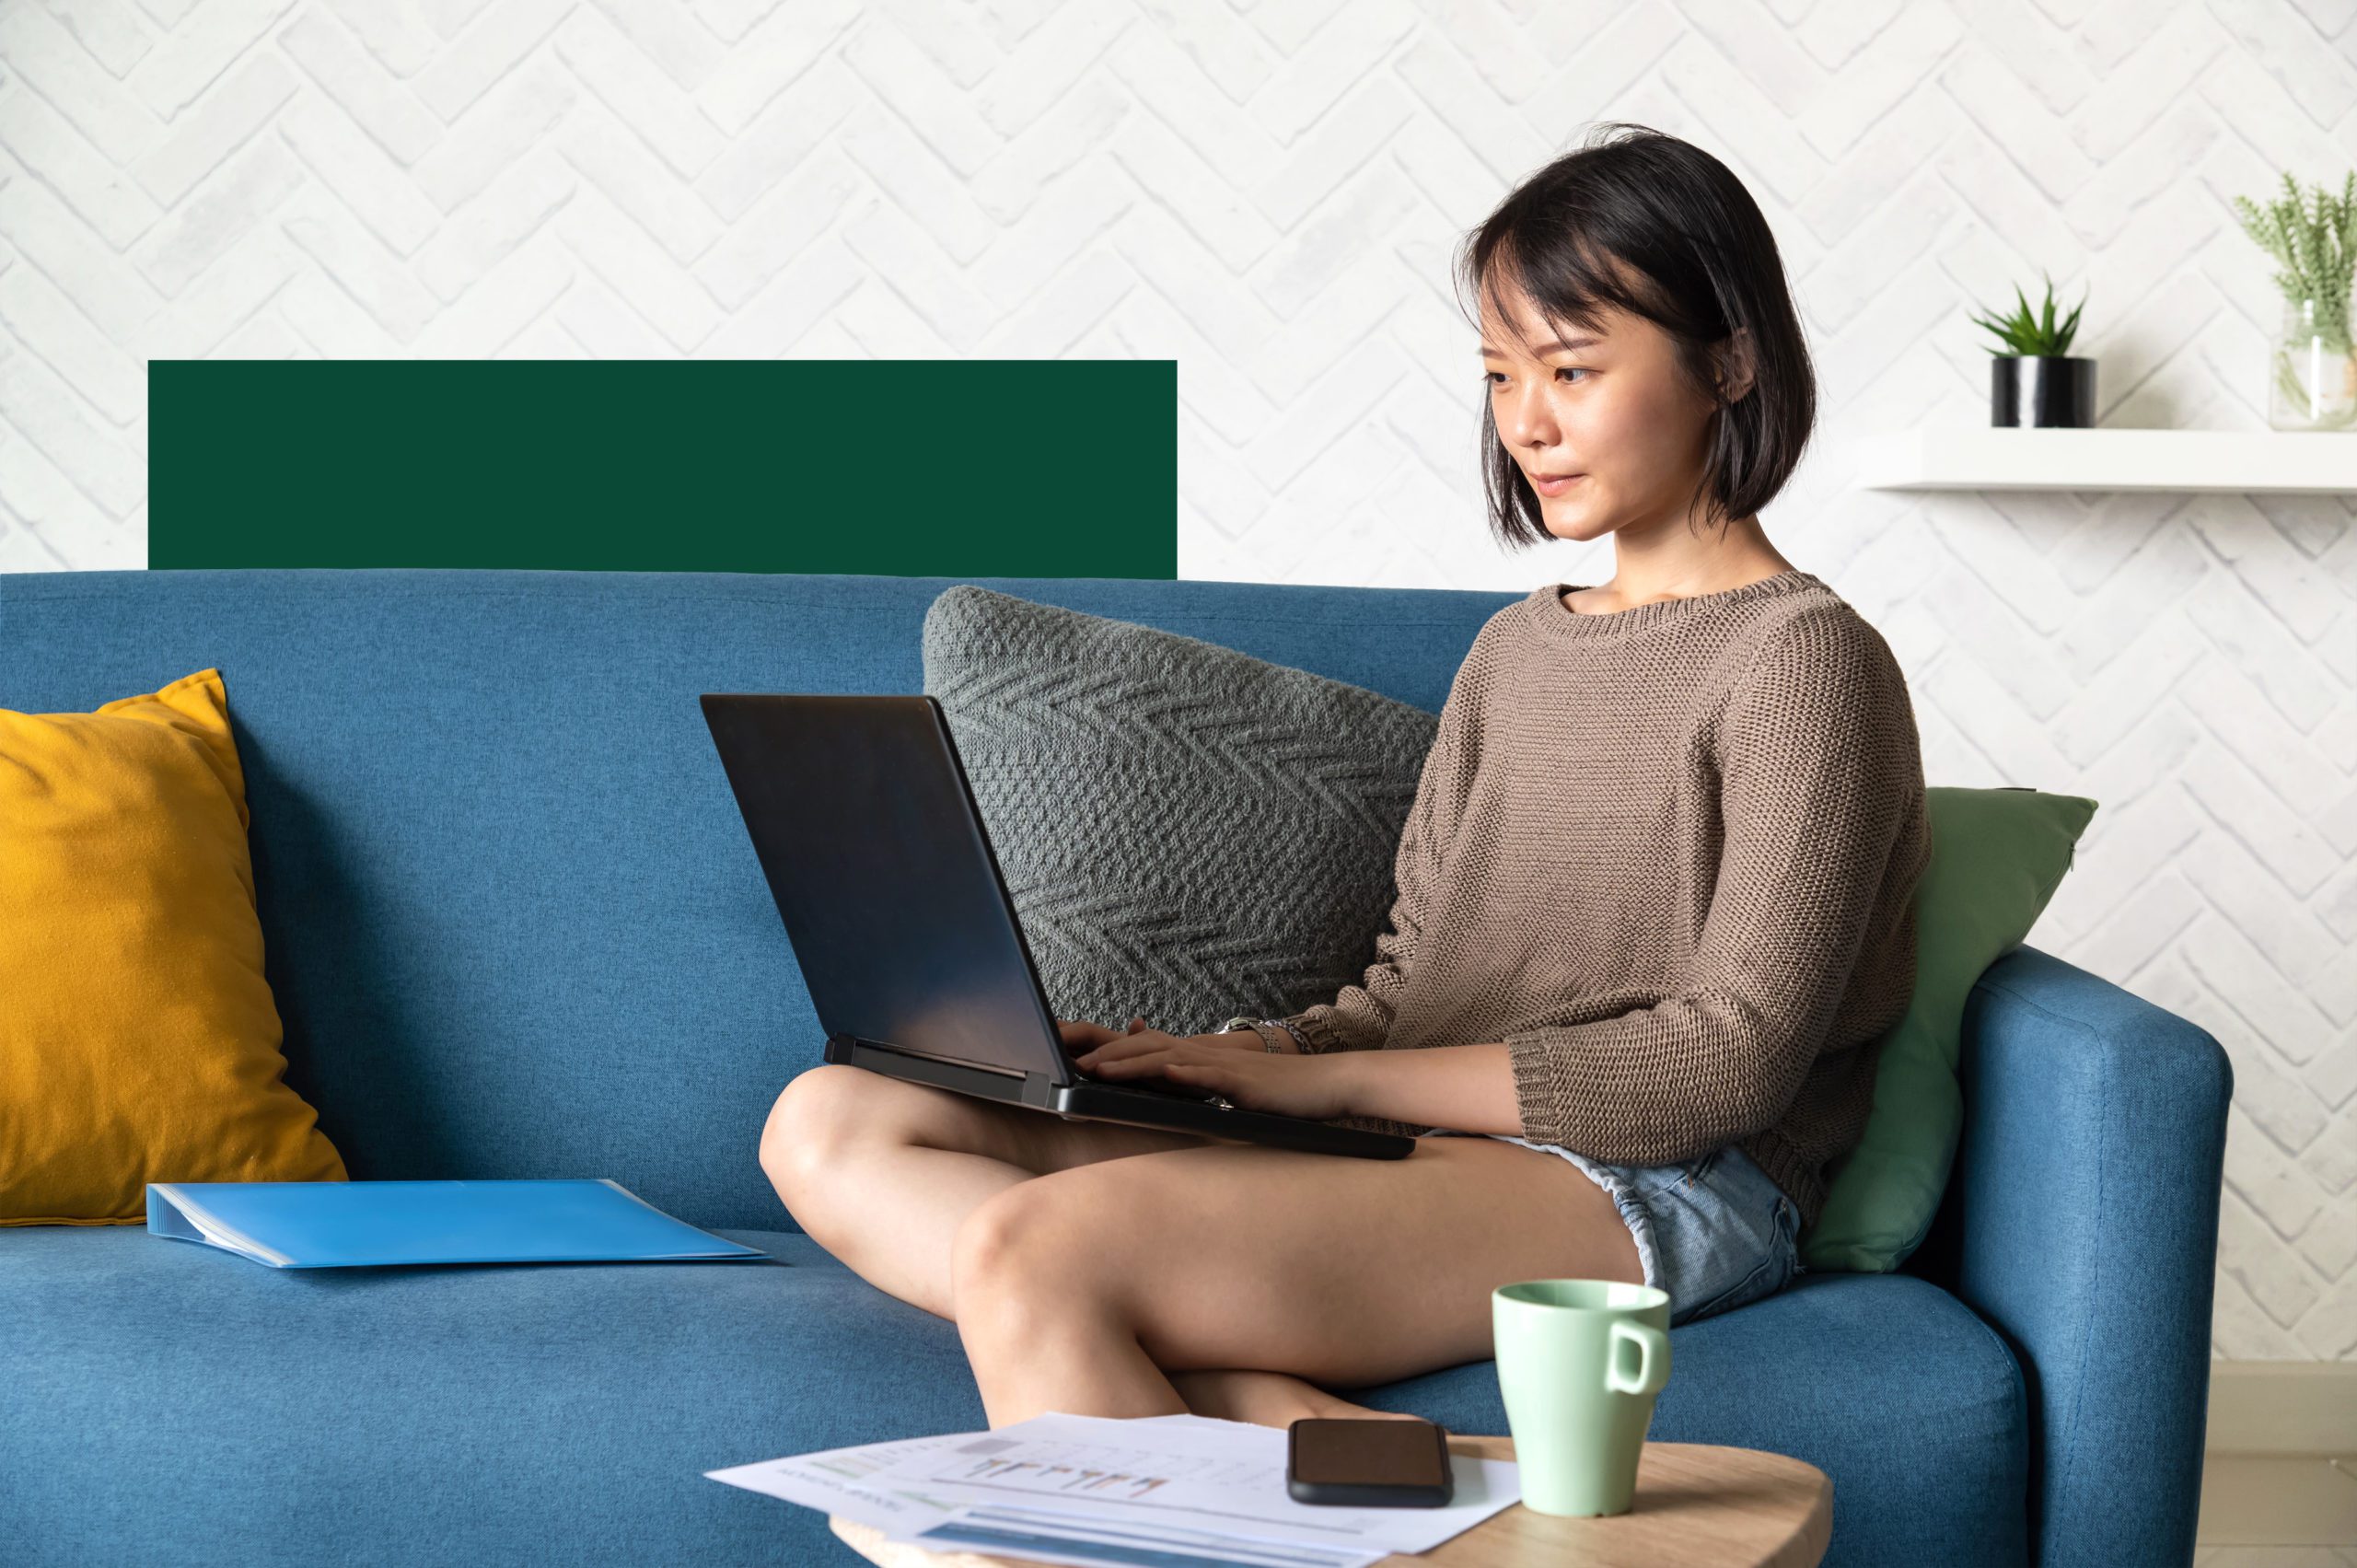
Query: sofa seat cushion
column 172, row 1402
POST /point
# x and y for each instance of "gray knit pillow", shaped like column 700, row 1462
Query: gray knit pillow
column 1187, row 833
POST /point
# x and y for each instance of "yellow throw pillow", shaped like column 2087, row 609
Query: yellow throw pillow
column 138, row 1039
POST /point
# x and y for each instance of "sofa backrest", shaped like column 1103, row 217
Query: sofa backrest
column 512, row 919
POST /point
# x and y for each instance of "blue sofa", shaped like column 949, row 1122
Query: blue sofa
column 516, row 929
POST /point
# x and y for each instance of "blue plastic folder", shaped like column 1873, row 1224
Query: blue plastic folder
column 341, row 1225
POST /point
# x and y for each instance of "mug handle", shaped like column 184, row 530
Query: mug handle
column 1653, row 1367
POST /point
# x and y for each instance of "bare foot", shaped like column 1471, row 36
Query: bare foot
column 1265, row 1399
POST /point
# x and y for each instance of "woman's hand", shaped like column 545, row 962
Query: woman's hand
column 1081, row 1035
column 1251, row 1079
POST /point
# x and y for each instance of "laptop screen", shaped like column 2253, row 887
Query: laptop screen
column 879, row 864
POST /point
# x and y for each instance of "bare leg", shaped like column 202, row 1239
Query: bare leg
column 1092, row 1290
column 881, row 1171
column 1265, row 1399
column 885, row 1173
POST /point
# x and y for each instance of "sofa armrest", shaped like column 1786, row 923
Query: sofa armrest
column 2080, row 1222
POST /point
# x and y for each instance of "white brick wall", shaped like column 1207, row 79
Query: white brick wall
column 1270, row 194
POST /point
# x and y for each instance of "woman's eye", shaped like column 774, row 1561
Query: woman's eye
column 1490, row 377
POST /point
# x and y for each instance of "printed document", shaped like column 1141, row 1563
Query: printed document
column 1154, row 1492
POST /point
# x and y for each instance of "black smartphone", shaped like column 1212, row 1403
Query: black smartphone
column 1368, row 1463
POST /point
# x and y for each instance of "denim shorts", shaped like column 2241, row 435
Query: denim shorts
column 1715, row 1232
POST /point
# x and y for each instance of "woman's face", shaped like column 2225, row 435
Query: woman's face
column 1608, row 406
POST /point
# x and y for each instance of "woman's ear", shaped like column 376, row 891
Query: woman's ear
column 1735, row 365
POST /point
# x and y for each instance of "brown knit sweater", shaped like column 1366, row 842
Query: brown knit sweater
column 1667, row 856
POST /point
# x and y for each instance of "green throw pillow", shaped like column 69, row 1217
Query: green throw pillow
column 1997, row 856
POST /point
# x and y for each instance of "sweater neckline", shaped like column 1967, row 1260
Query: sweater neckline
column 1557, row 619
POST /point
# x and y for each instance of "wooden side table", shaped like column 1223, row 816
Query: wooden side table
column 1696, row 1504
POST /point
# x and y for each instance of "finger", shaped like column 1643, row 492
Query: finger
column 1127, row 1056
column 1115, row 1047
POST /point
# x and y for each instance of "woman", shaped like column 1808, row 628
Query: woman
column 1656, row 900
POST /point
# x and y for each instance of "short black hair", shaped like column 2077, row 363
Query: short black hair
column 1696, row 258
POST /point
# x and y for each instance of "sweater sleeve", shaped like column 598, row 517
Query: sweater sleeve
column 1818, row 766
column 1360, row 1018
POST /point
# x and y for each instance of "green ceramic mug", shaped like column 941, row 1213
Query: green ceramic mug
column 1579, row 1362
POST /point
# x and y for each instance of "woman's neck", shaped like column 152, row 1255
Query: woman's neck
column 1607, row 599
column 1640, row 575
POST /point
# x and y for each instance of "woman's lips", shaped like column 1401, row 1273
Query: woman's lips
column 1556, row 486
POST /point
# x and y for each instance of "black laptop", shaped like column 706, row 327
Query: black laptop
column 866, row 828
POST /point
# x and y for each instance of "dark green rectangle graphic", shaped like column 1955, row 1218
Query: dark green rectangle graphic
column 917, row 468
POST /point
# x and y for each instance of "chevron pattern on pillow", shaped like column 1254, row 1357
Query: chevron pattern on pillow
column 1187, row 833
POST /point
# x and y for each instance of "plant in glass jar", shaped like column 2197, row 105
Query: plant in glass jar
column 2314, row 384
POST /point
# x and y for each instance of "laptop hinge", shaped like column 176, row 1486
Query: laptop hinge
column 970, row 1077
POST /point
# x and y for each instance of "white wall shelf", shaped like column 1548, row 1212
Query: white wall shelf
column 1978, row 458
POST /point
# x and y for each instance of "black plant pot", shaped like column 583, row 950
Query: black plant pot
column 2041, row 391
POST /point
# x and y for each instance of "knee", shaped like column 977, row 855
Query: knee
column 809, row 1117
column 1014, row 1252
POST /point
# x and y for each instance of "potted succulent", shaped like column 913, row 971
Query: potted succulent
column 2314, row 383
column 2036, row 379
